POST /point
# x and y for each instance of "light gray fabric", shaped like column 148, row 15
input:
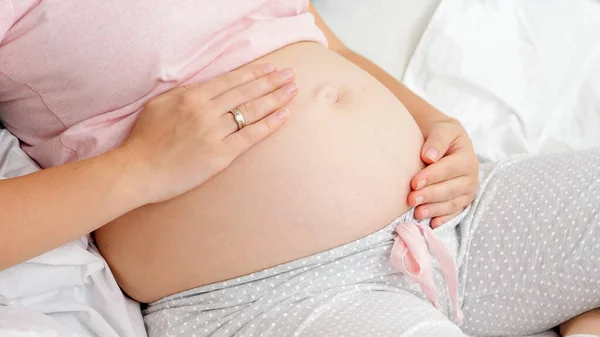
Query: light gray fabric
column 532, row 259
column 527, row 253
column 351, row 290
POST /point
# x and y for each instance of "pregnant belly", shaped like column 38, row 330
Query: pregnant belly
column 338, row 170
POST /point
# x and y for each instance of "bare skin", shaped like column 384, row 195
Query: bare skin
column 340, row 169
column 351, row 146
column 586, row 323
column 117, row 184
column 117, row 188
column 439, row 190
column 49, row 208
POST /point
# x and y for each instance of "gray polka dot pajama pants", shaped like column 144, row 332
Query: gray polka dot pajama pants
column 527, row 255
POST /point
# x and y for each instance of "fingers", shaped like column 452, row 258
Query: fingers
column 442, row 201
column 223, row 83
column 440, row 138
column 440, row 220
column 257, row 109
column 242, row 96
column 247, row 98
column 250, row 135
column 449, row 167
column 443, row 191
column 439, row 209
column 448, row 184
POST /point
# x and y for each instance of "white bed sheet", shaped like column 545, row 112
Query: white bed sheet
column 70, row 291
column 523, row 76
column 457, row 66
column 66, row 292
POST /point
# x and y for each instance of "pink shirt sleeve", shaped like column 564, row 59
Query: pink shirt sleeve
column 6, row 17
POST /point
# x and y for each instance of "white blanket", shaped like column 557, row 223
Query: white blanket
column 70, row 292
column 522, row 76
column 66, row 292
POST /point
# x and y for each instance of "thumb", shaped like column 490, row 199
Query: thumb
column 437, row 144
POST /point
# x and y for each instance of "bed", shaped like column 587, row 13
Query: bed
column 522, row 76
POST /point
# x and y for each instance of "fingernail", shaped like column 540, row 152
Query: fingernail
column 290, row 88
column 269, row 68
column 282, row 114
column 421, row 184
column 418, row 200
column 425, row 213
column 287, row 74
column 431, row 153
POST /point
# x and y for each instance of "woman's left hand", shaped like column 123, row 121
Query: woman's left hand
column 447, row 185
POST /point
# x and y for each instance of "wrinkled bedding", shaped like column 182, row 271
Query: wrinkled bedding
column 66, row 292
column 70, row 291
column 522, row 76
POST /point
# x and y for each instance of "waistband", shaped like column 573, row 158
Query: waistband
column 411, row 239
column 385, row 234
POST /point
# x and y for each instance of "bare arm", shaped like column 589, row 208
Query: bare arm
column 179, row 142
column 43, row 210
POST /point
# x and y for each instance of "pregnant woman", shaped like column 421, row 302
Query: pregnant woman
column 294, row 236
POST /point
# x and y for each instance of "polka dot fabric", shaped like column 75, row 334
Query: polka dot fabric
column 527, row 251
column 533, row 259
column 352, row 290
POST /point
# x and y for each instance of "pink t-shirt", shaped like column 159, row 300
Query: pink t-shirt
column 75, row 74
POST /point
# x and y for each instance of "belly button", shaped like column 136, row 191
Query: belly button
column 328, row 94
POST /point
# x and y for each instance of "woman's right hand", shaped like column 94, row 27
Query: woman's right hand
column 187, row 135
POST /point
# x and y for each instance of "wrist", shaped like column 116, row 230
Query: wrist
column 131, row 178
column 427, row 121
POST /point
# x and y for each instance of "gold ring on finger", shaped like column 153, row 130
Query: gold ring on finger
column 239, row 118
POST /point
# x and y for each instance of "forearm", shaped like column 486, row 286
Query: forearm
column 46, row 209
column 423, row 113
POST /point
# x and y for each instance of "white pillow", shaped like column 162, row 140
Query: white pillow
column 522, row 76
column 384, row 31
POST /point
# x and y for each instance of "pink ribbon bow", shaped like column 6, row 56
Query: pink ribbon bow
column 411, row 256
